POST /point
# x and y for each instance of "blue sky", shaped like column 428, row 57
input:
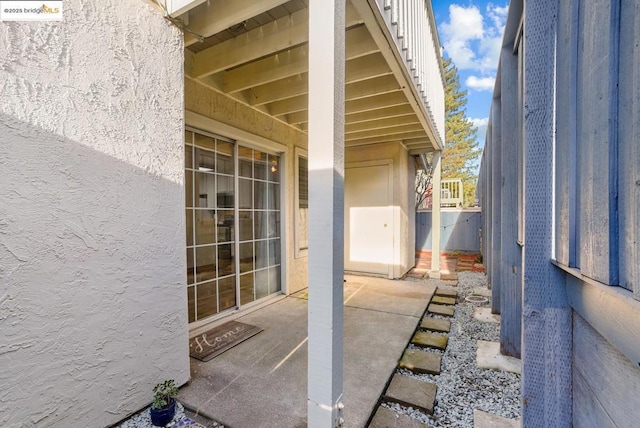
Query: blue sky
column 471, row 33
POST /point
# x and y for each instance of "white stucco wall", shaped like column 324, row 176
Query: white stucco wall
column 92, row 265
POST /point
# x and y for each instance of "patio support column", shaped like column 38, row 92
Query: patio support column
column 326, row 212
column 435, row 214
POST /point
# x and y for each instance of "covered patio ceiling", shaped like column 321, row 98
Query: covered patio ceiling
column 256, row 53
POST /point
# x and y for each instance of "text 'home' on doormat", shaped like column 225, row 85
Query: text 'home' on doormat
column 214, row 342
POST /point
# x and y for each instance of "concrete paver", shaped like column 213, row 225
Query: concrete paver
column 446, row 311
column 446, row 292
column 412, row 393
column 435, row 324
column 489, row 357
column 420, row 361
column 441, row 300
column 487, row 420
column 431, row 340
column 485, row 315
column 482, row 291
column 385, row 418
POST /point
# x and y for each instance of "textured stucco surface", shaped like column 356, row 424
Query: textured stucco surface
column 92, row 264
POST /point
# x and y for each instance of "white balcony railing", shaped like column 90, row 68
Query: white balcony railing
column 412, row 26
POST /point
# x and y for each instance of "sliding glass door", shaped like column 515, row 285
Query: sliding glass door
column 232, row 199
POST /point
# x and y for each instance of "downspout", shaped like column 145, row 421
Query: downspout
column 424, row 161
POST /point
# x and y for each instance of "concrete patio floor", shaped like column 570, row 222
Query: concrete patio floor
column 262, row 382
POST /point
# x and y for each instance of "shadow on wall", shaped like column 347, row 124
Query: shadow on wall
column 459, row 230
column 92, row 280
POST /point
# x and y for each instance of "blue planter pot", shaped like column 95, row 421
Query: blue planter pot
column 161, row 417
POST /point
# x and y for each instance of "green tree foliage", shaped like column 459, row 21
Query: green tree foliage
column 461, row 148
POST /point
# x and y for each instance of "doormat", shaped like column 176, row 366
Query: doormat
column 214, row 342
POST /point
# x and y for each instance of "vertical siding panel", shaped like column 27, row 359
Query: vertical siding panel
column 596, row 141
column 566, row 133
column 546, row 321
column 496, row 186
column 511, row 300
column 488, row 257
column 629, row 146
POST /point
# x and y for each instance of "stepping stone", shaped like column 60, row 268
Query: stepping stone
column 449, row 282
column 411, row 392
column 485, row 315
column 436, row 324
column 443, row 300
column 420, row 361
column 482, row 291
column 446, row 311
column 431, row 340
column 386, row 418
column 487, row 420
column 446, row 292
column 415, row 275
column 488, row 356
column 449, row 277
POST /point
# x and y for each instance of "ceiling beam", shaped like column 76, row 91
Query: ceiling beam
column 214, row 16
column 374, row 103
column 370, row 87
column 382, row 123
column 294, row 61
column 290, row 105
column 276, row 36
column 389, row 112
column 299, row 85
column 297, row 118
column 366, row 67
column 376, row 113
column 392, row 131
column 266, row 70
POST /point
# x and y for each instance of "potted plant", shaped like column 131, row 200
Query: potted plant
column 163, row 408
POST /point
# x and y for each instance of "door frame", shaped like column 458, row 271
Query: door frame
column 389, row 163
column 201, row 124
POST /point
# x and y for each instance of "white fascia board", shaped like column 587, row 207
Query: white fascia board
column 178, row 7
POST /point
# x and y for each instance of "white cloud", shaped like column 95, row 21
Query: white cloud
column 481, row 124
column 480, row 83
column 477, row 122
column 472, row 40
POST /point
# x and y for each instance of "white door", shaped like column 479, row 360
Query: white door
column 368, row 219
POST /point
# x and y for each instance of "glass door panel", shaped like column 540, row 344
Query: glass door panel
column 222, row 261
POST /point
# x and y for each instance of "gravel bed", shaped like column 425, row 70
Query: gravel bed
column 462, row 385
column 182, row 418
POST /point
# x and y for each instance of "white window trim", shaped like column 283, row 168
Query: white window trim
column 298, row 252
